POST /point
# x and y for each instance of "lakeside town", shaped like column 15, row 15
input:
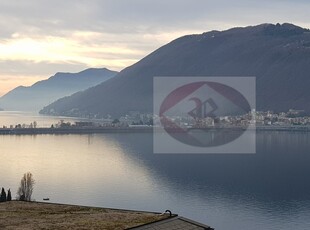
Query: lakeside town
column 292, row 119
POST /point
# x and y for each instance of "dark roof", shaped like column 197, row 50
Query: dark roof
column 176, row 223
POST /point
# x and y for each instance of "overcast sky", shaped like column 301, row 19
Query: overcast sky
column 41, row 37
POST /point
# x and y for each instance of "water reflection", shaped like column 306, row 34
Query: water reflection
column 269, row 189
column 270, row 184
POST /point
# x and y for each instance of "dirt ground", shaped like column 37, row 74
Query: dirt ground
column 35, row 215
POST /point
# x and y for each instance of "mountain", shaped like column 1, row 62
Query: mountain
column 278, row 55
column 44, row 92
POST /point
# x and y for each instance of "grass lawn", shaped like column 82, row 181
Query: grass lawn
column 36, row 215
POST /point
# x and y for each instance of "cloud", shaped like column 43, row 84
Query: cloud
column 140, row 16
column 50, row 36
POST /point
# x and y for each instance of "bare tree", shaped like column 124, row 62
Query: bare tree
column 26, row 187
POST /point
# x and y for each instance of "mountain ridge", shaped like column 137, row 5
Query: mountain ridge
column 41, row 93
column 278, row 55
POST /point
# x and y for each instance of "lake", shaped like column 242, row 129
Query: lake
column 266, row 190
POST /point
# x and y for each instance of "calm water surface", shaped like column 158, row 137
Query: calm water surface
column 8, row 118
column 267, row 190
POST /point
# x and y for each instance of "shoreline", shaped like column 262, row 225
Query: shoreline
column 97, row 130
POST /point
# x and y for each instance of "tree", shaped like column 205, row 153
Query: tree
column 3, row 195
column 115, row 121
column 25, row 189
column 9, row 197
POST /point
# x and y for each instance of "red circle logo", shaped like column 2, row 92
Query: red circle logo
column 205, row 114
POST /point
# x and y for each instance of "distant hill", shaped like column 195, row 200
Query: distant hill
column 278, row 55
column 44, row 92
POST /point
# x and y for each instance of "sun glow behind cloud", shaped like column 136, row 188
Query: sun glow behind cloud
column 84, row 49
column 91, row 48
column 78, row 48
